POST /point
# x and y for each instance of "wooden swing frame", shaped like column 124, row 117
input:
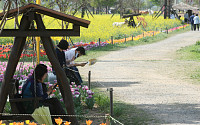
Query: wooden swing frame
column 32, row 12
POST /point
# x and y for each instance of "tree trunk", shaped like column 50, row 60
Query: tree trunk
column 93, row 9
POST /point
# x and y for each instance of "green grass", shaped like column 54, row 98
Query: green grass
column 189, row 53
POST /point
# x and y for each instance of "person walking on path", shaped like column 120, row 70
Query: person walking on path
column 186, row 17
column 196, row 22
column 192, row 21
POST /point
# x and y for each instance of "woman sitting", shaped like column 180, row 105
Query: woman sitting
column 35, row 87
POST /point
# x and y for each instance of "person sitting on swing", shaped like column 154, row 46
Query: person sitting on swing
column 35, row 87
column 61, row 47
column 70, row 56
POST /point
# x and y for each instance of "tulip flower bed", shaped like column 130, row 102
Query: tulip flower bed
column 83, row 97
column 81, row 94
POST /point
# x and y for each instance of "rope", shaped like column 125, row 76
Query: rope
column 101, row 84
column 116, row 121
column 83, row 116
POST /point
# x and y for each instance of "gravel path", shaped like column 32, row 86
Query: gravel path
column 150, row 78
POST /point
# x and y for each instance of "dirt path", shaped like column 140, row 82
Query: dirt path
column 148, row 76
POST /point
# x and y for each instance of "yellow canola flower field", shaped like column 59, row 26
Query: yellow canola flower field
column 101, row 26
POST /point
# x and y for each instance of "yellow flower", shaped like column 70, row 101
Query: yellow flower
column 27, row 121
column 88, row 122
column 67, row 123
column 103, row 124
column 58, row 121
column 32, row 123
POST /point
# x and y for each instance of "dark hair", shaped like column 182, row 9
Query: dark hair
column 81, row 49
column 196, row 14
column 39, row 71
column 63, row 44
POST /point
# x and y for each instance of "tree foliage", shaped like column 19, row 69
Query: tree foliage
column 156, row 2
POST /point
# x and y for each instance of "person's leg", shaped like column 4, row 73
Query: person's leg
column 77, row 74
column 191, row 26
column 71, row 75
column 198, row 27
column 194, row 27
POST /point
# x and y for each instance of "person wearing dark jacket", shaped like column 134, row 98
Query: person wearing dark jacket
column 61, row 47
column 192, row 21
column 35, row 87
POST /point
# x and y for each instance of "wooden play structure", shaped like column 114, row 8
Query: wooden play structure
column 31, row 13
column 131, row 21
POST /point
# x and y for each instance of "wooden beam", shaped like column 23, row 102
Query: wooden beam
column 61, row 76
column 131, row 15
column 12, row 62
column 44, row 33
column 76, row 28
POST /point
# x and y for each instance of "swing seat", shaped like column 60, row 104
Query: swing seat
column 19, row 104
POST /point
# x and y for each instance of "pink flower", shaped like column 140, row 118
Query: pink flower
column 20, row 87
column 76, row 93
column 86, row 87
column 89, row 97
column 79, row 86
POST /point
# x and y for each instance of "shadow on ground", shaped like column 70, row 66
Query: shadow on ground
column 175, row 113
column 112, row 84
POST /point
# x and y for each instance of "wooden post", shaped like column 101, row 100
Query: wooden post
column 166, row 30
column 13, row 61
column 132, row 37
column 61, row 76
column 89, row 76
column 143, row 34
column 111, row 101
column 112, row 40
column 99, row 42
column 153, row 33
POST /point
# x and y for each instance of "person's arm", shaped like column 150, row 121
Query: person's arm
column 39, row 91
column 77, row 64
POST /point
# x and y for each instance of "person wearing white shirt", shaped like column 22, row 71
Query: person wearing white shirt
column 196, row 22
column 70, row 56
